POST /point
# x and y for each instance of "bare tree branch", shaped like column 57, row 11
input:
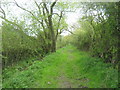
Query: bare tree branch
column 13, row 23
column 28, row 11
column 59, row 22
column 38, row 6
column 56, row 14
column 2, row 11
column 70, row 31
column 61, row 30
column 51, row 7
column 44, row 4
column 23, row 8
column 53, row 4
column 4, row 18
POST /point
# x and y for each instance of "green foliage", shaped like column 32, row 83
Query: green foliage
column 78, row 68
column 100, row 74
column 98, row 32
column 17, row 45
column 26, row 75
column 66, row 6
column 64, row 40
column 106, row 38
column 83, row 36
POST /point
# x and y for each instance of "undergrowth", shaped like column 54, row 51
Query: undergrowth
column 77, row 66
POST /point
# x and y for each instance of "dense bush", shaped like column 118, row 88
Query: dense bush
column 64, row 40
column 17, row 45
column 98, row 32
column 82, row 37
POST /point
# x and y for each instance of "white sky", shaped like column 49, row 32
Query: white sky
column 72, row 17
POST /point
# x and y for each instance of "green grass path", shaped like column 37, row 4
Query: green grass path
column 66, row 68
column 62, row 70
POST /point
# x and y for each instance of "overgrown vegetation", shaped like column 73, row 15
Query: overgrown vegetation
column 98, row 32
column 73, row 66
column 17, row 45
column 86, row 58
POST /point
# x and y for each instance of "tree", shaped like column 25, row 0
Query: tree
column 103, row 18
column 45, row 17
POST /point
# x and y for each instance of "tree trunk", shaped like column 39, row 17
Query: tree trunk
column 53, row 46
column 53, row 38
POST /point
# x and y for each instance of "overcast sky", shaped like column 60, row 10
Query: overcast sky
column 13, row 10
column 72, row 17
